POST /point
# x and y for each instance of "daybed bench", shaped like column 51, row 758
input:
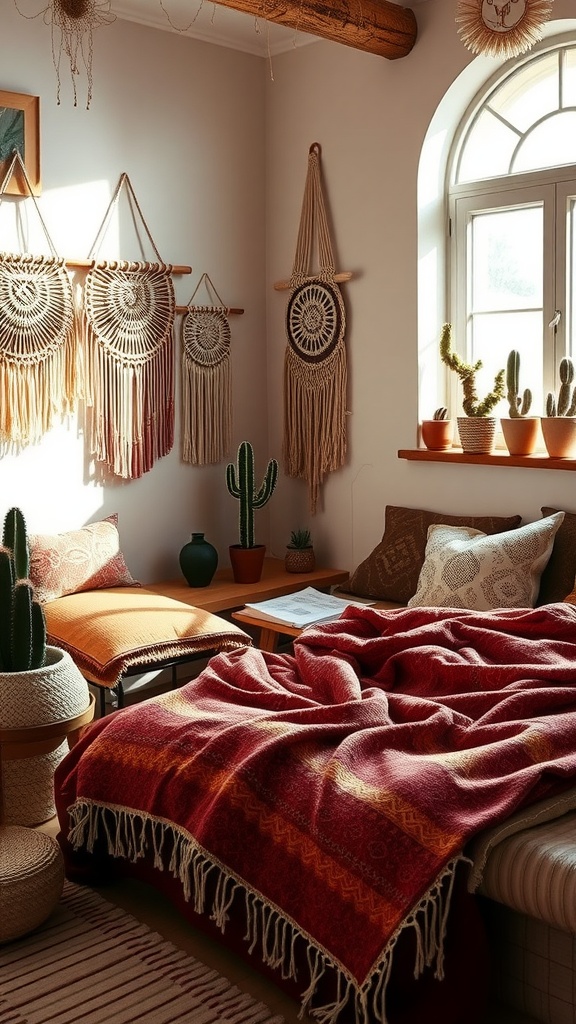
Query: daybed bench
column 328, row 810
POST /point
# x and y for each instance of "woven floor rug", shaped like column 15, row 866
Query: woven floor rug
column 91, row 963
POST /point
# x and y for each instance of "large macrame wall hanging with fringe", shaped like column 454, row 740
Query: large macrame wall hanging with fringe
column 315, row 368
column 38, row 354
column 206, row 379
column 505, row 29
column 129, row 312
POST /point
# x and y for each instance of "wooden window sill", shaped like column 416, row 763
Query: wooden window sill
column 498, row 458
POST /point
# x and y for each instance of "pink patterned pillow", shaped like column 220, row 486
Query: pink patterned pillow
column 86, row 559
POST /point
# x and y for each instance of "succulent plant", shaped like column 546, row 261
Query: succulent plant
column 300, row 539
column 240, row 483
column 23, row 642
column 441, row 413
column 565, row 404
column 519, row 407
column 471, row 404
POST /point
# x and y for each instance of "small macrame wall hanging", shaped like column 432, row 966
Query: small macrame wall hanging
column 502, row 30
column 39, row 382
column 315, row 366
column 206, row 378
column 128, row 316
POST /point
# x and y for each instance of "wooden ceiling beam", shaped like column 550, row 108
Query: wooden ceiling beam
column 375, row 26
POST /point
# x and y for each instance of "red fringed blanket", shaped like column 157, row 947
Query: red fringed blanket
column 337, row 788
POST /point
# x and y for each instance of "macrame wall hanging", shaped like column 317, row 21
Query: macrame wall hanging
column 129, row 311
column 315, row 369
column 504, row 29
column 72, row 23
column 206, row 379
column 38, row 353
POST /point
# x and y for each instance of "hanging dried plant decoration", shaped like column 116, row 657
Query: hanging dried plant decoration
column 504, row 29
column 72, row 24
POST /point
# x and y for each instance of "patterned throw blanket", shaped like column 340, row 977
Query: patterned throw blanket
column 337, row 788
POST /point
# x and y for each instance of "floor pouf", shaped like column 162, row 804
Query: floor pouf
column 31, row 879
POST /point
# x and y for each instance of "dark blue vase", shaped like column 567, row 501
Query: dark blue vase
column 198, row 561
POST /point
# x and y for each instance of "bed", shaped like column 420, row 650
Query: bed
column 324, row 810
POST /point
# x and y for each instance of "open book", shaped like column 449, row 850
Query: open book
column 304, row 608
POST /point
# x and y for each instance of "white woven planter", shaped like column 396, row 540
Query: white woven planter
column 477, row 434
column 56, row 692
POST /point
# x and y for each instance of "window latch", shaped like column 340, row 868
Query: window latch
column 556, row 318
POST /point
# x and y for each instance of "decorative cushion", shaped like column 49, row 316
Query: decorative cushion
column 465, row 568
column 31, row 879
column 559, row 575
column 391, row 571
column 85, row 559
column 107, row 632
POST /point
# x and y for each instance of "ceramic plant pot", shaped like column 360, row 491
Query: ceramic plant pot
column 438, row 435
column 560, row 436
column 477, row 434
column 247, row 563
column 520, row 434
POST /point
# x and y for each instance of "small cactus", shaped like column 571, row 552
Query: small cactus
column 519, row 407
column 240, row 483
column 441, row 413
column 565, row 403
column 471, row 404
column 300, row 539
column 23, row 642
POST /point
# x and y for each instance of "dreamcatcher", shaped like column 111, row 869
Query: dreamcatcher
column 72, row 23
column 38, row 355
column 206, row 391
column 505, row 29
column 129, row 313
column 315, row 370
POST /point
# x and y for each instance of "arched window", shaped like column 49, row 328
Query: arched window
column 512, row 203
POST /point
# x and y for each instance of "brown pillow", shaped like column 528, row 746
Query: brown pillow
column 557, row 580
column 391, row 572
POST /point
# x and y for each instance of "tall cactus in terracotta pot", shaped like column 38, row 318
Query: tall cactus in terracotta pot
column 247, row 557
column 520, row 430
column 559, row 423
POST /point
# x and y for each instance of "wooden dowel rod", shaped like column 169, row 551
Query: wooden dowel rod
column 229, row 311
column 281, row 286
column 89, row 264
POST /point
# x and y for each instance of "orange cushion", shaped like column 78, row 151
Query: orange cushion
column 85, row 559
column 107, row 632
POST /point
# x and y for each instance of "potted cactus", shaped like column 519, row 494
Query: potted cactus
column 559, row 423
column 299, row 555
column 438, row 433
column 247, row 557
column 40, row 686
column 477, row 428
column 520, row 430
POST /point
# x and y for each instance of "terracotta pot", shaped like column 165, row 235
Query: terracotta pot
column 299, row 560
column 477, row 434
column 438, row 435
column 247, row 563
column 560, row 436
column 520, row 434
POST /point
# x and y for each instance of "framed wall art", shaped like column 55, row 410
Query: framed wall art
column 20, row 129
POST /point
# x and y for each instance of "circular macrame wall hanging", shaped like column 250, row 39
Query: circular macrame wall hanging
column 206, row 390
column 315, row 320
column 504, row 29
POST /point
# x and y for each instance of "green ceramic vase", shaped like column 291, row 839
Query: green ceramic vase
column 198, row 561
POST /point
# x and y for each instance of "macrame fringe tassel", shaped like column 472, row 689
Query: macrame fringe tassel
column 206, row 412
column 132, row 421
column 34, row 396
column 314, row 419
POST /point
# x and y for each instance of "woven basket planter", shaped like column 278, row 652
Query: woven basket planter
column 55, row 693
column 477, row 434
column 299, row 560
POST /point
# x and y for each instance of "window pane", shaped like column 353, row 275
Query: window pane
column 571, row 280
column 529, row 94
column 551, row 143
column 493, row 336
column 488, row 149
column 506, row 260
column 569, row 79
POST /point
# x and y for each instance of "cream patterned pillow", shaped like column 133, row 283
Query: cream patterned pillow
column 465, row 568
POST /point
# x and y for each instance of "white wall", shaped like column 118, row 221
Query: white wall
column 371, row 117
column 184, row 119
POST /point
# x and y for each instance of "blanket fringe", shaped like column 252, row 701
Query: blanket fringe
column 130, row 835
